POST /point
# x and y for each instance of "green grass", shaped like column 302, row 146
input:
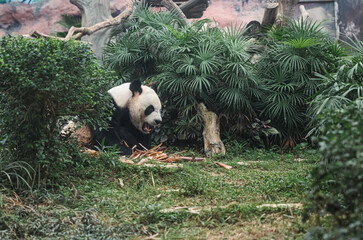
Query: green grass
column 90, row 202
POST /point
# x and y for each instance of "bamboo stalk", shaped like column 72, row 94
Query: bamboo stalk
column 192, row 159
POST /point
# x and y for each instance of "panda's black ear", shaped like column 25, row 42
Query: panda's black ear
column 135, row 86
column 154, row 86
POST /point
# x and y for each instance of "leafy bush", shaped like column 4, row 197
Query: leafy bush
column 44, row 81
column 339, row 87
column 337, row 111
column 294, row 54
column 337, row 186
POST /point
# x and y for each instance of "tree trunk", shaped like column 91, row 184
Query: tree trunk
column 93, row 12
column 287, row 8
column 211, row 133
column 270, row 14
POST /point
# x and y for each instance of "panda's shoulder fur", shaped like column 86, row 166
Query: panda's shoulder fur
column 121, row 94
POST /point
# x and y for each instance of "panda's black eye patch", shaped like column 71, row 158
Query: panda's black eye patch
column 149, row 110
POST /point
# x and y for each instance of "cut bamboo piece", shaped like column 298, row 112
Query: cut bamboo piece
column 224, row 165
column 126, row 160
column 192, row 159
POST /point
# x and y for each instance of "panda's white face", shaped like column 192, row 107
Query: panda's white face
column 144, row 107
column 145, row 110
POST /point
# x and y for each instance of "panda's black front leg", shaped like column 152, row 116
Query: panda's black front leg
column 125, row 135
column 145, row 140
column 134, row 138
column 109, row 138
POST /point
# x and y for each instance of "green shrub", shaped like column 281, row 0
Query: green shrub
column 337, row 182
column 294, row 54
column 339, row 87
column 44, row 82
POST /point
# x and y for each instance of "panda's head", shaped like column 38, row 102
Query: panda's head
column 143, row 104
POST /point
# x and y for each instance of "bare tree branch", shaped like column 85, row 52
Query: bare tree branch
column 82, row 31
column 170, row 5
column 78, row 32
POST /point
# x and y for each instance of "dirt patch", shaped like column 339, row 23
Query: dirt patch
column 249, row 162
column 236, row 182
column 214, row 174
column 272, row 226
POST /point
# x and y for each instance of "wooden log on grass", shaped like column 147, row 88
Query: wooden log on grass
column 211, row 134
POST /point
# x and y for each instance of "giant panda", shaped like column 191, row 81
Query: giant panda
column 137, row 112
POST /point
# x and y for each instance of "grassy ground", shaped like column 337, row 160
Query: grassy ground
column 110, row 200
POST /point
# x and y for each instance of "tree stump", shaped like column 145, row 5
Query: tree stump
column 211, row 134
column 270, row 14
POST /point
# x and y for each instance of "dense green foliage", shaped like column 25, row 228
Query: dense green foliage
column 133, row 54
column 294, row 54
column 196, row 63
column 43, row 81
column 337, row 187
column 339, row 87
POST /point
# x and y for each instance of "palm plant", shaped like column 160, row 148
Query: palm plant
column 132, row 53
column 209, row 65
column 341, row 86
column 294, row 54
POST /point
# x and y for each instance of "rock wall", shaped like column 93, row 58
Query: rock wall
column 23, row 16
column 236, row 12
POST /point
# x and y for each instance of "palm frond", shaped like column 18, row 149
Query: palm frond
column 238, row 49
column 234, row 31
column 302, row 42
column 234, row 99
column 184, row 101
column 186, row 65
column 200, row 83
column 207, row 54
column 189, row 128
column 356, row 45
column 172, row 82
